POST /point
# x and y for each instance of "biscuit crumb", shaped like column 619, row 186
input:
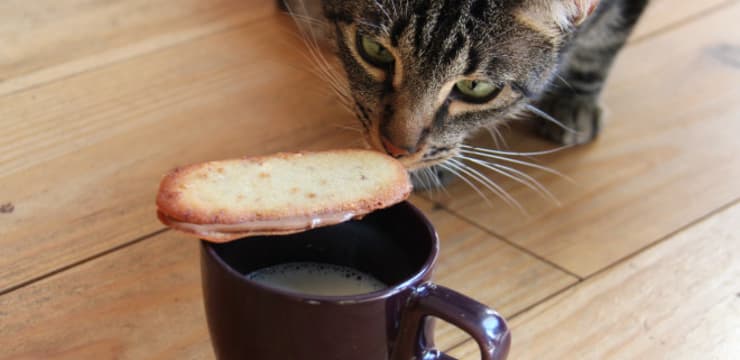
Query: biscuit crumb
column 264, row 175
column 7, row 208
column 311, row 195
column 294, row 190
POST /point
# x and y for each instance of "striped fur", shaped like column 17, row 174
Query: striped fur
column 551, row 54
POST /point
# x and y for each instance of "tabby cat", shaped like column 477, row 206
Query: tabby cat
column 423, row 75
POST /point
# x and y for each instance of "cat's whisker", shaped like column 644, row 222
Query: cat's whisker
column 436, row 180
column 442, row 186
column 414, row 177
column 348, row 128
column 491, row 185
column 331, row 85
column 515, row 175
column 435, row 185
column 341, row 102
column 432, row 186
column 424, row 180
column 562, row 79
column 344, row 101
column 549, row 118
column 322, row 71
column 393, row 6
column 375, row 26
column 497, row 137
column 404, row 8
column 326, row 71
column 488, row 183
column 382, row 9
column 419, row 177
column 515, row 161
column 532, row 180
column 309, row 19
column 338, row 89
column 447, row 166
column 516, row 153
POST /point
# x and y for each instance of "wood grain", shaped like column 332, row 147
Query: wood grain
column 678, row 300
column 144, row 301
column 668, row 150
column 80, row 156
column 46, row 40
column 477, row 264
column 81, row 159
column 661, row 15
column 99, row 98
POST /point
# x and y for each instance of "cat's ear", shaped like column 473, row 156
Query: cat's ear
column 564, row 14
column 570, row 13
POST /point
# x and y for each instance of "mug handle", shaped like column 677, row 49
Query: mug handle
column 486, row 326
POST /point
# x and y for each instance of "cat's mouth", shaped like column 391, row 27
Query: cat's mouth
column 426, row 157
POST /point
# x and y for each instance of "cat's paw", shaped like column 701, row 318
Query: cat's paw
column 580, row 116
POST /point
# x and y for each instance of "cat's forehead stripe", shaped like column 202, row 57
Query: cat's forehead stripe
column 398, row 29
column 474, row 61
column 420, row 22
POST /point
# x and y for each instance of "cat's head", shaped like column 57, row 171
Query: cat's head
column 424, row 74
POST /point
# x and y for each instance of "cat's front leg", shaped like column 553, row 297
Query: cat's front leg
column 580, row 116
column 573, row 99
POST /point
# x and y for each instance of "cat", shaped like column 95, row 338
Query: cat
column 424, row 75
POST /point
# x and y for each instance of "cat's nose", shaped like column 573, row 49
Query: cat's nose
column 394, row 150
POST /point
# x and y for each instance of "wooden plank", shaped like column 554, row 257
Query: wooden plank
column 663, row 14
column 81, row 159
column 477, row 264
column 666, row 158
column 140, row 302
column 144, row 301
column 142, row 116
column 678, row 300
column 45, row 40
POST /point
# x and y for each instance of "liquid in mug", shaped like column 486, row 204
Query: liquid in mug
column 313, row 278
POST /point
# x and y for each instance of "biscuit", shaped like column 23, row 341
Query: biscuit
column 279, row 194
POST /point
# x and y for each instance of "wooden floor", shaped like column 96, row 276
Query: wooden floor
column 641, row 260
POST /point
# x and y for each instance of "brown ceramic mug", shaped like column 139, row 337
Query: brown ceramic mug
column 397, row 245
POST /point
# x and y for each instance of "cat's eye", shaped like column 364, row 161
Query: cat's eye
column 373, row 52
column 477, row 91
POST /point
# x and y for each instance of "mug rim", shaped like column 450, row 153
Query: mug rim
column 390, row 291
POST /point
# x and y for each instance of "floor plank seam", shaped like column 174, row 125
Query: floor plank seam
column 124, row 59
column 664, row 238
column 680, row 23
column 611, row 266
column 635, row 41
column 503, row 238
column 526, row 309
column 81, row 262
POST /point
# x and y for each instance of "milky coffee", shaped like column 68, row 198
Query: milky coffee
column 317, row 279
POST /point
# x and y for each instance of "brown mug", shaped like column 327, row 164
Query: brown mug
column 397, row 245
